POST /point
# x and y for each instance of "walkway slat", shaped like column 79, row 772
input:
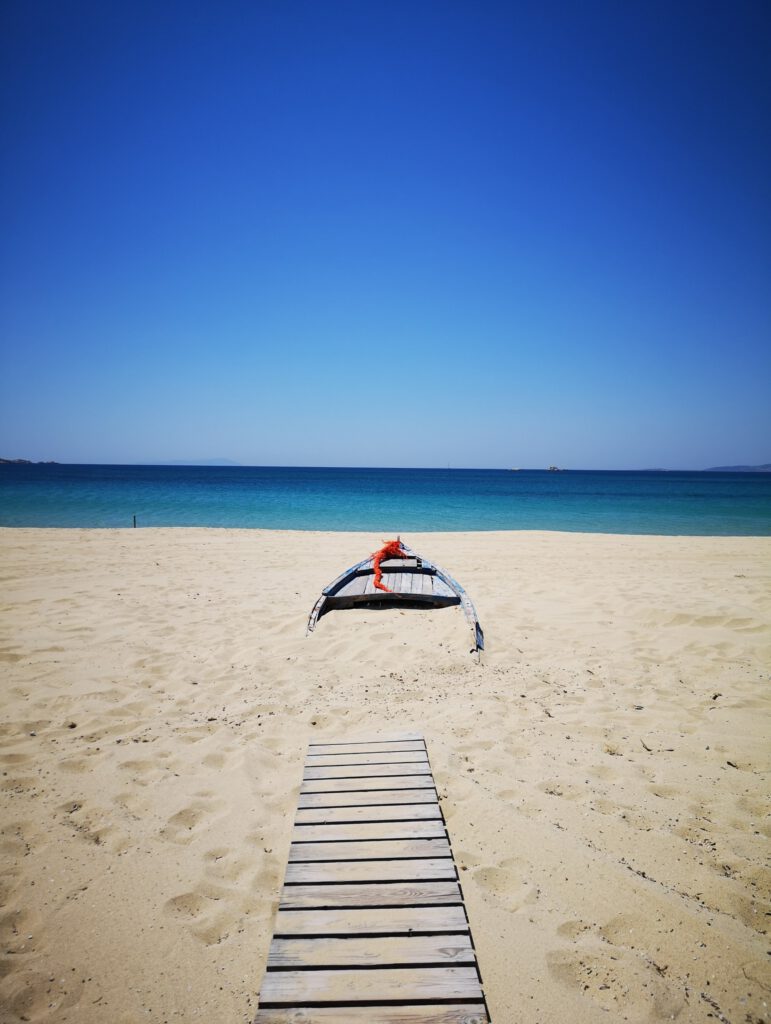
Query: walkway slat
column 369, row 771
column 370, row 894
column 361, row 784
column 369, row 921
column 375, row 849
column 346, row 986
column 383, row 951
column 370, row 830
column 379, row 797
column 386, row 812
column 434, row 869
column 371, row 925
column 473, row 1013
column 364, row 748
column 378, row 757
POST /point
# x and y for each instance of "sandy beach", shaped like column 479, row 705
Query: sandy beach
column 604, row 771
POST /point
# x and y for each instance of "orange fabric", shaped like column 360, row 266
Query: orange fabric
column 391, row 549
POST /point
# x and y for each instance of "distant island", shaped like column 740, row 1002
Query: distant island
column 27, row 462
column 765, row 468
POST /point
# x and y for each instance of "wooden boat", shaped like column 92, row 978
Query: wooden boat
column 412, row 581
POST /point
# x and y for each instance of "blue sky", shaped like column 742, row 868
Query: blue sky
column 401, row 234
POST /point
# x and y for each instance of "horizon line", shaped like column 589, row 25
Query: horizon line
column 228, row 464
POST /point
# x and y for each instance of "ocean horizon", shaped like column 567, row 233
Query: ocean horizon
column 390, row 501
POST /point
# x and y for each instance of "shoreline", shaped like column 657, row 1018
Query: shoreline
column 280, row 531
column 602, row 772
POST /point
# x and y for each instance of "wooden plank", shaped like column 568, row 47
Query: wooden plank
column 381, row 797
column 389, row 737
column 370, row 850
column 386, row 757
column 367, row 783
column 427, row 585
column 371, row 921
column 459, row 1013
column 415, row 983
column 371, row 912
column 384, row 951
column 390, row 812
column 338, row 582
column 352, row 872
column 355, row 771
column 365, row 748
column 441, row 589
column 372, row 894
column 353, row 587
column 369, row 587
column 370, row 830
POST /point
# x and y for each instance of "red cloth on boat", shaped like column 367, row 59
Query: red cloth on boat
column 391, row 549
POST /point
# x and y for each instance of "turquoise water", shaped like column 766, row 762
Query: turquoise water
column 386, row 500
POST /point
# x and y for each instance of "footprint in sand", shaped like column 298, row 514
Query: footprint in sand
column 18, row 930
column 506, row 884
column 215, row 910
column 616, row 981
column 226, row 865
column 573, row 929
column 31, row 996
column 190, row 821
column 561, row 789
column 206, row 911
column 94, row 824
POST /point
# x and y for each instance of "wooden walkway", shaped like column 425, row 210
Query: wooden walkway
column 371, row 924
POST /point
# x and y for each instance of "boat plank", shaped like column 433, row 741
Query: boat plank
column 375, row 849
column 411, row 983
column 383, row 951
column 427, row 585
column 381, row 797
column 367, row 783
column 397, row 584
column 369, row 894
column 441, row 589
column 370, row 830
column 371, row 921
column 458, row 1013
column 389, row 812
column 353, row 588
column 370, row 587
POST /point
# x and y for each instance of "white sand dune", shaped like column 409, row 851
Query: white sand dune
column 604, row 771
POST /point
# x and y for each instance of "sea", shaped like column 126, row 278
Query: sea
column 386, row 501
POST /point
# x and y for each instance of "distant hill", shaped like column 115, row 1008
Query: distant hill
column 26, row 462
column 765, row 468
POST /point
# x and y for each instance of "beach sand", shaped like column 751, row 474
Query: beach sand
column 604, row 772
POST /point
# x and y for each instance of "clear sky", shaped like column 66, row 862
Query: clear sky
column 399, row 233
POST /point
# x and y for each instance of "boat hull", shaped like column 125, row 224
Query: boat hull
column 412, row 582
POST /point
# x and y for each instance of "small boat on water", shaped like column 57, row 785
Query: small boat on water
column 397, row 576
